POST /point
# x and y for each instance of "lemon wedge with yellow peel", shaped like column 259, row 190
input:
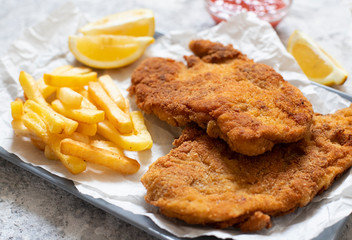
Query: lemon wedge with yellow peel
column 316, row 64
column 136, row 22
column 108, row 51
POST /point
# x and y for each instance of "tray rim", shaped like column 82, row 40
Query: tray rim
column 142, row 222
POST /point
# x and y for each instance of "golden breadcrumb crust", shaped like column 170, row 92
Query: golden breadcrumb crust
column 201, row 181
column 247, row 104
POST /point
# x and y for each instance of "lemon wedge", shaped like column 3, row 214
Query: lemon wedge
column 108, row 51
column 136, row 22
column 316, row 64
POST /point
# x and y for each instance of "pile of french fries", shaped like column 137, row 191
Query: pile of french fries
column 76, row 117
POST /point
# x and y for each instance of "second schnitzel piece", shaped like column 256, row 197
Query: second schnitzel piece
column 247, row 104
column 202, row 182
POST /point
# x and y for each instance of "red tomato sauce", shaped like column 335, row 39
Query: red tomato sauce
column 265, row 9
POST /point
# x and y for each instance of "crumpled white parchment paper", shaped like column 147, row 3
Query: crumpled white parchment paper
column 44, row 47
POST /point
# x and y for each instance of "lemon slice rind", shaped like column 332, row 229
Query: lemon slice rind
column 337, row 76
column 133, row 23
column 142, row 42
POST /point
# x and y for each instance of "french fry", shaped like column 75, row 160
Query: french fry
column 107, row 145
column 55, row 121
column 88, row 104
column 67, row 128
column 72, row 81
column 116, row 116
column 35, row 124
column 79, row 137
column 32, row 92
column 99, row 156
column 87, row 129
column 128, row 142
column 74, row 164
column 83, row 92
column 21, row 130
column 139, row 127
column 17, row 109
column 84, row 115
column 31, row 89
column 69, row 97
column 112, row 90
column 70, row 125
column 127, row 108
column 45, row 89
column 50, row 154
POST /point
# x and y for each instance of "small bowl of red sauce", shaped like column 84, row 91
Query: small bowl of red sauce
column 272, row 11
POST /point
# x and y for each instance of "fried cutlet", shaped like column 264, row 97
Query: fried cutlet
column 202, row 181
column 247, row 104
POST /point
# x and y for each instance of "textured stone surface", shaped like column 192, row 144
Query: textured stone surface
column 31, row 208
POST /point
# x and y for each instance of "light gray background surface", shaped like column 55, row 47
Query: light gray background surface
column 31, row 208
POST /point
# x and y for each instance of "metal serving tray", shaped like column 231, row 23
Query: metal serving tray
column 140, row 221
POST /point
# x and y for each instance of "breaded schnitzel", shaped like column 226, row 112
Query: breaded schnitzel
column 247, row 104
column 202, row 182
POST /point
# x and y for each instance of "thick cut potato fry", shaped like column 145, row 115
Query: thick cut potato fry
column 31, row 89
column 139, row 127
column 70, row 125
column 74, row 164
column 116, row 116
column 87, row 129
column 112, row 90
column 66, row 128
column 83, row 92
column 82, row 114
column 17, row 109
column 50, row 154
column 107, row 145
column 128, row 142
column 140, row 140
column 99, row 156
column 35, row 124
column 21, row 130
column 127, row 108
column 87, row 104
column 69, row 97
column 55, row 121
column 71, row 81
column 45, row 89
column 79, row 137
column 32, row 92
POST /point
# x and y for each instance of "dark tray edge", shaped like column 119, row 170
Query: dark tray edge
column 140, row 221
